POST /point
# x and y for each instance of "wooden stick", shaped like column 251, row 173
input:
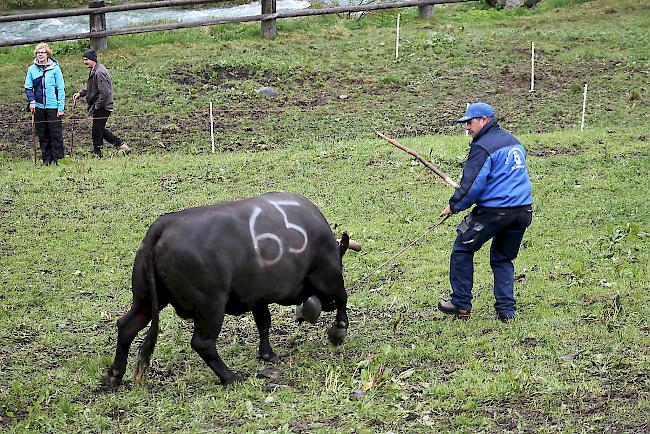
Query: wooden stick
column 211, row 127
column 74, row 104
column 430, row 165
column 584, row 107
column 34, row 137
column 532, row 67
column 397, row 40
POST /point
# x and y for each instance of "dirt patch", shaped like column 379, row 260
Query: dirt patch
column 17, row 140
column 539, row 151
column 217, row 75
column 13, row 416
column 324, row 104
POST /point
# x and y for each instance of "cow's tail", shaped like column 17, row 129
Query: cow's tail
column 149, row 343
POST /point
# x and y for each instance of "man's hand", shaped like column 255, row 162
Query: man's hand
column 446, row 211
column 32, row 107
column 59, row 114
column 76, row 96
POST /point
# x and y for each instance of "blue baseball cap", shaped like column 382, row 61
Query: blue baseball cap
column 477, row 110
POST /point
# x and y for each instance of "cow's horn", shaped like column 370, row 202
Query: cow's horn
column 354, row 246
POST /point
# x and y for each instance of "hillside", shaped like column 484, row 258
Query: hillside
column 337, row 77
column 577, row 357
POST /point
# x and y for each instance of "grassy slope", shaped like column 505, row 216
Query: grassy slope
column 70, row 234
column 164, row 81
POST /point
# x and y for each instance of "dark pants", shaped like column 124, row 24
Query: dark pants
column 99, row 133
column 50, row 136
column 505, row 227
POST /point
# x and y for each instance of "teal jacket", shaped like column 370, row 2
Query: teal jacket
column 44, row 85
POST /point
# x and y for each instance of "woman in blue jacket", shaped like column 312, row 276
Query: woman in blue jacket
column 45, row 92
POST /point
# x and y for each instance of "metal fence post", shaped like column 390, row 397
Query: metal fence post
column 425, row 11
column 269, row 28
column 97, row 24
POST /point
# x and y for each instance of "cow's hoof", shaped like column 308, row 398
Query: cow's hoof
column 268, row 357
column 111, row 382
column 336, row 334
column 111, row 379
column 232, row 379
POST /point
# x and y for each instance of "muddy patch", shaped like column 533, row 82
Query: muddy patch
column 322, row 105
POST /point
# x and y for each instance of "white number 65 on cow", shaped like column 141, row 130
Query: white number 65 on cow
column 271, row 236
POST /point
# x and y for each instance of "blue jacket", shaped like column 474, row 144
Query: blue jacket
column 495, row 172
column 44, row 86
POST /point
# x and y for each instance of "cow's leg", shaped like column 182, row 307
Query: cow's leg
column 128, row 327
column 339, row 329
column 263, row 322
column 204, row 342
column 330, row 281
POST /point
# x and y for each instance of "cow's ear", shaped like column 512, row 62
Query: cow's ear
column 344, row 243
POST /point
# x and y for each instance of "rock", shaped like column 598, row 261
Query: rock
column 267, row 91
column 272, row 374
column 357, row 394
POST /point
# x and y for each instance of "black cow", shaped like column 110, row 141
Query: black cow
column 231, row 258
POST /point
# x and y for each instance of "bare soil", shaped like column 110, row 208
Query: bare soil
column 322, row 105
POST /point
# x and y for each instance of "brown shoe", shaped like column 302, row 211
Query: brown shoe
column 124, row 148
column 449, row 308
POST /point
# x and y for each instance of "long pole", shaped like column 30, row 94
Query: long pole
column 532, row 67
column 397, row 39
column 584, row 106
column 34, row 137
column 422, row 160
column 74, row 104
column 211, row 127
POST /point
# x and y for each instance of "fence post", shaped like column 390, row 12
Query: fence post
column 97, row 24
column 269, row 28
column 425, row 11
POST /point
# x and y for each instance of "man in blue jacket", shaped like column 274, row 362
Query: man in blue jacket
column 496, row 180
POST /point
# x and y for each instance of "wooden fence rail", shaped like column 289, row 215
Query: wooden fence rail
column 98, row 32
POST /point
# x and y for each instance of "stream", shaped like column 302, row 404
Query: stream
column 117, row 20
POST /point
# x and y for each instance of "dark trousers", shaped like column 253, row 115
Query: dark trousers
column 99, row 132
column 505, row 227
column 50, row 136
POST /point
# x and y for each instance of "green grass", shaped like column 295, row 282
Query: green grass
column 69, row 233
column 338, row 79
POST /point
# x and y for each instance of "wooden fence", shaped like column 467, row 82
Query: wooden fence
column 97, row 11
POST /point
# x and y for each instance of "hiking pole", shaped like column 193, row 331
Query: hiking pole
column 34, row 138
column 422, row 160
column 74, row 104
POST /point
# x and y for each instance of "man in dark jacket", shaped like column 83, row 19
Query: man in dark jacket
column 99, row 96
column 496, row 180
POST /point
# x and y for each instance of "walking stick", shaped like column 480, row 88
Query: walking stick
column 34, row 138
column 430, row 165
column 74, row 104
